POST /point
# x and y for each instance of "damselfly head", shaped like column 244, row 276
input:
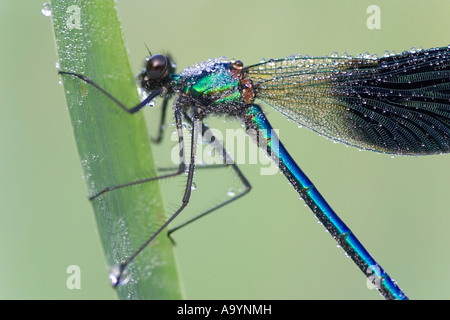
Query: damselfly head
column 157, row 71
column 157, row 67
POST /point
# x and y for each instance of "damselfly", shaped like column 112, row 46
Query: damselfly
column 397, row 104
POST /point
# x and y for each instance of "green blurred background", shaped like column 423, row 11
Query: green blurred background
column 265, row 246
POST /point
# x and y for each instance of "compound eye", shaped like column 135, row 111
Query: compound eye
column 239, row 64
column 156, row 66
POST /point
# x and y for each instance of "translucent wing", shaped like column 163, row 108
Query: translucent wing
column 395, row 104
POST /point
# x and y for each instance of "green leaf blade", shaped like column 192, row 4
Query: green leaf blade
column 114, row 146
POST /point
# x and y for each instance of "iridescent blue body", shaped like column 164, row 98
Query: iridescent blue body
column 396, row 104
column 324, row 213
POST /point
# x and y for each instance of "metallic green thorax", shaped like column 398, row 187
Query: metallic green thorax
column 211, row 85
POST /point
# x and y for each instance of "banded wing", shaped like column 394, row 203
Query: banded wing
column 395, row 104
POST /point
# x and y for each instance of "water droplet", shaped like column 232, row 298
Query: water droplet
column 231, row 192
column 118, row 277
column 193, row 186
column 46, row 9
